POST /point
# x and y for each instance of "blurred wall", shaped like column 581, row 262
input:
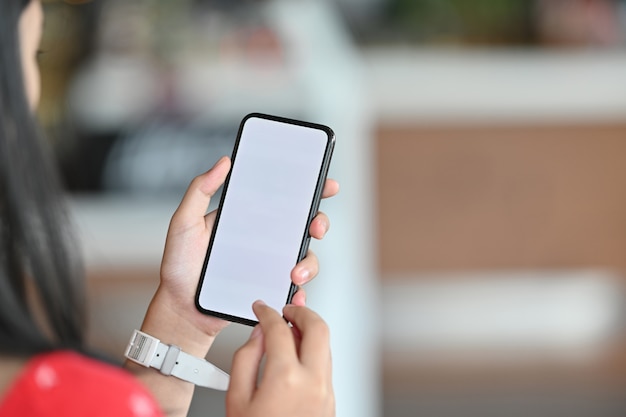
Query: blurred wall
column 500, row 225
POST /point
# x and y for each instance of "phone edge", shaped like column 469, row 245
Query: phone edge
column 315, row 203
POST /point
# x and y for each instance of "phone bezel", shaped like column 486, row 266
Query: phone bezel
column 306, row 238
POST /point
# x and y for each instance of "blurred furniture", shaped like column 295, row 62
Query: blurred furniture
column 501, row 229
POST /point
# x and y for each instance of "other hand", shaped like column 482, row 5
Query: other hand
column 297, row 377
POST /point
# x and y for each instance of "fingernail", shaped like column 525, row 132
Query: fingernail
column 259, row 302
column 256, row 332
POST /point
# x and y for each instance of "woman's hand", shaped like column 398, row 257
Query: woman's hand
column 187, row 241
column 172, row 316
column 297, row 377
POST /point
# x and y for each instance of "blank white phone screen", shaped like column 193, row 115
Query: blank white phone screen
column 264, row 217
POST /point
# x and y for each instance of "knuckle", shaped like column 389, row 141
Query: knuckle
column 321, row 391
column 291, row 379
column 195, row 182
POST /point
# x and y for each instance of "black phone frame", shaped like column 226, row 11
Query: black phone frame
column 306, row 238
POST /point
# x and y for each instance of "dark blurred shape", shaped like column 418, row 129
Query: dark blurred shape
column 150, row 86
column 452, row 22
column 485, row 22
column 594, row 23
column 491, row 23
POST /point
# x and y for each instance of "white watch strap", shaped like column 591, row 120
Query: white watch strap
column 170, row 360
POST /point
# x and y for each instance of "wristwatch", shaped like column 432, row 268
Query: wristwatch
column 149, row 351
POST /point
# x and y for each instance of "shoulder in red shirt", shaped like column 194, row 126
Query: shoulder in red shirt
column 68, row 384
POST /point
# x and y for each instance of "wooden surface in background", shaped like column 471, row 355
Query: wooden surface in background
column 479, row 197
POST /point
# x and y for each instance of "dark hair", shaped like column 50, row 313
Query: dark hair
column 37, row 256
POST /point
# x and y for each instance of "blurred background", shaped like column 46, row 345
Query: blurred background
column 475, row 265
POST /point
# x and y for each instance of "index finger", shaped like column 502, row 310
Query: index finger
column 315, row 343
column 279, row 342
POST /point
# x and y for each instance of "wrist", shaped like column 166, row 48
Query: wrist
column 170, row 323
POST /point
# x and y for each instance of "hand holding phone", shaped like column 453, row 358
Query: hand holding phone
column 272, row 193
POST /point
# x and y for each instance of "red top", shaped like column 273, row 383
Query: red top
column 66, row 383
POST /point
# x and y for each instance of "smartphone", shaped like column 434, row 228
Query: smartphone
column 261, row 231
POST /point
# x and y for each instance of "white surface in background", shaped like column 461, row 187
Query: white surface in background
column 423, row 85
column 561, row 311
column 110, row 78
column 118, row 230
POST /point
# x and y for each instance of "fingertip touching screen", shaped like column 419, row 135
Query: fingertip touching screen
column 267, row 203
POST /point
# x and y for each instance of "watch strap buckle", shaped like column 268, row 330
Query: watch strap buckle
column 141, row 348
column 148, row 351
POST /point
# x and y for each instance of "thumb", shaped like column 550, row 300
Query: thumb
column 244, row 371
column 198, row 195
